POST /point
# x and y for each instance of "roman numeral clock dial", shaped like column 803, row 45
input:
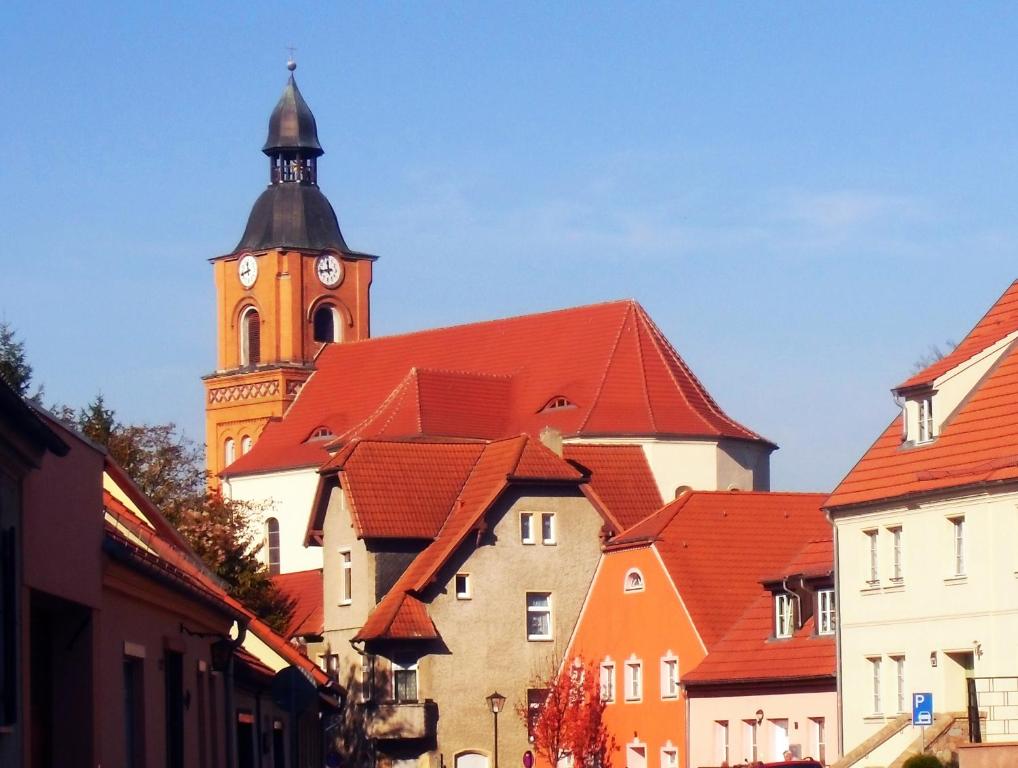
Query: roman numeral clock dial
column 329, row 270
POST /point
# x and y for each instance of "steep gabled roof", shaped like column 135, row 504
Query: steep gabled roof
column 621, row 478
column 977, row 444
column 618, row 373
column 304, row 590
column 521, row 459
column 718, row 545
column 748, row 652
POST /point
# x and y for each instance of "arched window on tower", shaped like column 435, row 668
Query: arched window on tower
column 229, row 452
column 272, row 544
column 326, row 324
column 245, row 444
column 250, row 337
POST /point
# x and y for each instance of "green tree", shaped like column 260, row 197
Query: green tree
column 14, row 367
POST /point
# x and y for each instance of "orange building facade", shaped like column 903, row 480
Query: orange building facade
column 636, row 630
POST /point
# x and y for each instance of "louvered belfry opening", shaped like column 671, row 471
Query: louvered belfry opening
column 252, row 338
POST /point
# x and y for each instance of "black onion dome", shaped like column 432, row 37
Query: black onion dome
column 291, row 125
column 292, row 216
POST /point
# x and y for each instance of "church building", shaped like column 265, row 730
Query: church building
column 456, row 484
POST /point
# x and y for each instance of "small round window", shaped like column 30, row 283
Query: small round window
column 634, row 581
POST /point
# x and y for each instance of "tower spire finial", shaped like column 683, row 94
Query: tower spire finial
column 291, row 62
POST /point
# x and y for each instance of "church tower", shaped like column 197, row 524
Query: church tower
column 289, row 287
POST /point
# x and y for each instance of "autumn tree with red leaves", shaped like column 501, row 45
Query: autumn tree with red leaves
column 569, row 724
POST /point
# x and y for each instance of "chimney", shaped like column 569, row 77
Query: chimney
column 552, row 440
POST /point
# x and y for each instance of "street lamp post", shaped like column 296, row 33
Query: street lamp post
column 495, row 702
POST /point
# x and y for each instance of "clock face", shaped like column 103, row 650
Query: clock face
column 329, row 270
column 247, row 270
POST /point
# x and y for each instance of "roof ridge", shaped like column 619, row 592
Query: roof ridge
column 663, row 341
column 396, row 392
column 464, row 372
column 598, row 391
column 508, row 318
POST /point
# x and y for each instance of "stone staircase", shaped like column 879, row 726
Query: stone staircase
column 948, row 729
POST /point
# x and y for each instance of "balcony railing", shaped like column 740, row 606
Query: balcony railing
column 400, row 720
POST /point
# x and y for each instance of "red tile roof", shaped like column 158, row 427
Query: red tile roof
column 521, row 458
column 718, row 545
column 493, row 379
column 977, row 444
column 621, row 478
column 747, row 651
column 304, row 588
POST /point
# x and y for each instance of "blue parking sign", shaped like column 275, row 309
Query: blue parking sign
column 922, row 708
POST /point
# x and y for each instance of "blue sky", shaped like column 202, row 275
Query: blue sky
column 804, row 196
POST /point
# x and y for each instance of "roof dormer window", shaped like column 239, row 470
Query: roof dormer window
column 784, row 615
column 320, row 433
column 558, row 403
column 918, row 418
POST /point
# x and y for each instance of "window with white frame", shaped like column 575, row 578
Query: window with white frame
column 925, row 431
column 539, row 616
column 897, row 574
column 721, row 742
column 958, row 537
column 669, row 676
column 827, row 618
column 346, row 577
column 462, row 584
column 272, row 544
column 367, row 677
column 404, row 679
column 669, row 755
column 329, row 662
column 547, row 527
column 229, row 451
column 873, row 542
column 634, row 581
column 246, row 443
column 899, row 682
column 607, row 680
column 636, row 754
column 749, row 742
column 874, row 663
column 527, row 527
column 818, row 739
column 634, row 679
column 784, row 615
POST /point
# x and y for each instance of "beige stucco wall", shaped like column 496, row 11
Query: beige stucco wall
column 931, row 611
column 486, row 635
column 287, row 496
column 704, row 465
column 799, row 709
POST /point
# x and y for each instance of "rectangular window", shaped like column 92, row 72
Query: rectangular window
column 749, row 745
column 547, row 528
column 721, row 742
column 669, row 677
column 535, row 700
column 899, row 679
column 925, row 419
column 608, row 681
column 874, row 545
column 818, row 739
column 878, row 706
column 896, row 570
column 462, row 586
column 527, row 527
column 539, row 616
column 404, row 680
column 827, row 619
column 783, row 618
column 634, row 680
column 134, row 712
column 329, row 663
column 367, row 677
column 958, row 529
column 669, row 757
column 346, row 585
